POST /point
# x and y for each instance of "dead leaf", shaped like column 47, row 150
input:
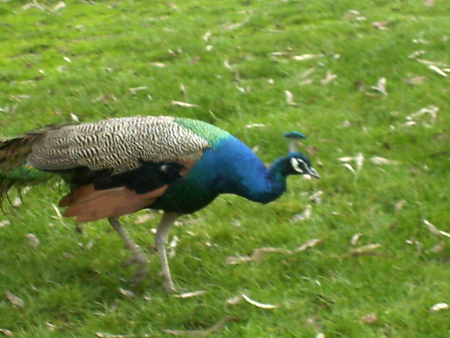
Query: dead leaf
column 17, row 202
column 201, row 333
column 256, row 255
column 257, row 304
column 416, row 53
column 435, row 230
column 137, row 89
column 383, row 161
column 415, row 80
column 5, row 223
column 366, row 250
column 233, row 26
column 235, row 300
column 354, row 14
column 437, row 70
column 349, row 167
column 439, row 307
column 60, row 5
column 381, row 25
column 306, row 57
column 34, row 241
column 255, row 125
column 355, row 238
column 381, row 86
column 74, row 117
column 438, row 247
column 328, row 78
column 6, row 332
column 370, row 318
column 206, row 36
column 429, row 3
column 191, row 294
column 304, row 215
column 309, row 244
column 400, row 204
column 227, row 64
column 145, row 218
column 127, row 293
column 17, row 301
column 316, row 197
column 289, row 98
column 158, row 64
column 110, row 335
column 184, row 104
column 431, row 110
column 184, row 92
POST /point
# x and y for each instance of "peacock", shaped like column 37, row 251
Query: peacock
column 121, row 165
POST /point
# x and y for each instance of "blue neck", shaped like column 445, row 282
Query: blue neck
column 245, row 175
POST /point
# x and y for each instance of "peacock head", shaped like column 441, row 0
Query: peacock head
column 299, row 164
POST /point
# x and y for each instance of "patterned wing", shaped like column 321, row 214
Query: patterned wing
column 119, row 165
column 118, row 145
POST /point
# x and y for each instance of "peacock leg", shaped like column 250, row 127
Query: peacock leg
column 138, row 257
column 162, row 234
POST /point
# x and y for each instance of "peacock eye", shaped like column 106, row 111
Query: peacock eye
column 296, row 166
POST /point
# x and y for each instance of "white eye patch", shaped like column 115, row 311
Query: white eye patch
column 295, row 164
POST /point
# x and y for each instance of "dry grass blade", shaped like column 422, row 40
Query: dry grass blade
column 309, row 244
column 15, row 300
column 367, row 250
column 183, row 104
column 258, row 304
column 435, row 230
column 191, row 294
column 201, row 333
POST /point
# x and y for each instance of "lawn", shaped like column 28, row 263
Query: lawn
column 364, row 252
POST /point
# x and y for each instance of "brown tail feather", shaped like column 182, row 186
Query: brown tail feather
column 88, row 204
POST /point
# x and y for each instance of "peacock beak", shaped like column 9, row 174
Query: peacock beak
column 312, row 172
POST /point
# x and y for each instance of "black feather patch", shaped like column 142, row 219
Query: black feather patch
column 148, row 177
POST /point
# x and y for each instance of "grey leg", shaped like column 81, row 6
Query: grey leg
column 138, row 257
column 162, row 235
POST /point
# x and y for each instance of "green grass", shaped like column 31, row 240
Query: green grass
column 70, row 283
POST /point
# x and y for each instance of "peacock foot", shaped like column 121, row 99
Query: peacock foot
column 140, row 260
column 170, row 288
